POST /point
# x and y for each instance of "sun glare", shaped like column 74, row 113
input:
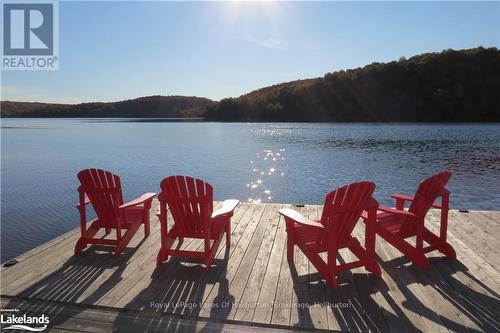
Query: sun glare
column 272, row 10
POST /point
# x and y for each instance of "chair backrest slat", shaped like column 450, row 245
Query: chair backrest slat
column 428, row 191
column 343, row 208
column 190, row 201
column 104, row 191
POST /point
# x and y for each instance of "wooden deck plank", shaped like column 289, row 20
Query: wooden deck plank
column 157, row 283
column 49, row 260
column 74, row 318
column 330, row 319
column 239, row 280
column 130, row 278
column 316, row 285
column 267, row 292
column 481, row 221
column 45, row 247
column 431, row 283
column 300, row 314
column 219, row 295
column 94, row 272
column 454, row 296
column 204, row 283
column 169, row 282
column 469, row 262
column 282, row 307
column 195, row 282
column 466, row 290
column 414, row 294
column 362, row 280
column 481, row 243
column 448, row 297
column 59, row 252
column 249, row 300
column 397, row 294
column 36, row 270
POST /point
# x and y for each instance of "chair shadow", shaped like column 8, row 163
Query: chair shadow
column 363, row 312
column 79, row 280
column 176, row 294
column 352, row 309
column 481, row 307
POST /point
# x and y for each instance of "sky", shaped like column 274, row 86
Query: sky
column 111, row 51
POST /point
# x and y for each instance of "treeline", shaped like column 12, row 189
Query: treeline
column 143, row 107
column 448, row 86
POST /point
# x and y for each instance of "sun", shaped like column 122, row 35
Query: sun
column 274, row 11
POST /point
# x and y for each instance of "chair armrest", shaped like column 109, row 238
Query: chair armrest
column 140, row 200
column 400, row 196
column 395, row 211
column 228, row 207
column 405, row 197
column 299, row 218
column 85, row 203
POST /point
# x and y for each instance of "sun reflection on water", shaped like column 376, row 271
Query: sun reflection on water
column 266, row 168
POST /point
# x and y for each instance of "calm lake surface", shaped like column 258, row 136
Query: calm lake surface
column 264, row 162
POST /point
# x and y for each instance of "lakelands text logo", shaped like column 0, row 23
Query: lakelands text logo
column 30, row 35
column 10, row 319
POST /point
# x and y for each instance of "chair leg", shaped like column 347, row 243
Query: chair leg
column 146, row 224
column 331, row 280
column 289, row 248
column 228, row 234
column 421, row 260
column 374, row 268
column 371, row 265
column 125, row 239
column 80, row 246
column 208, row 262
column 161, row 257
column 120, row 246
column 119, row 249
column 207, row 253
column 406, row 248
column 443, row 246
column 146, row 229
column 448, row 251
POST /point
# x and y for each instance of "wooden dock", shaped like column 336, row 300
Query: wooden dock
column 252, row 287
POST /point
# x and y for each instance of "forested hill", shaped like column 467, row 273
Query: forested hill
column 148, row 107
column 448, row 86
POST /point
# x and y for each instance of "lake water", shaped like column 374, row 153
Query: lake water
column 264, row 162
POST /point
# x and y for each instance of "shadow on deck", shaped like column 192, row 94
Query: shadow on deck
column 251, row 285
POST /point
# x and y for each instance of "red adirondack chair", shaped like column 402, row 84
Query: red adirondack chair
column 103, row 190
column 341, row 211
column 396, row 225
column 190, row 202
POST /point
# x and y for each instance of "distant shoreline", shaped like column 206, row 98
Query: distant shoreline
column 450, row 86
column 204, row 120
